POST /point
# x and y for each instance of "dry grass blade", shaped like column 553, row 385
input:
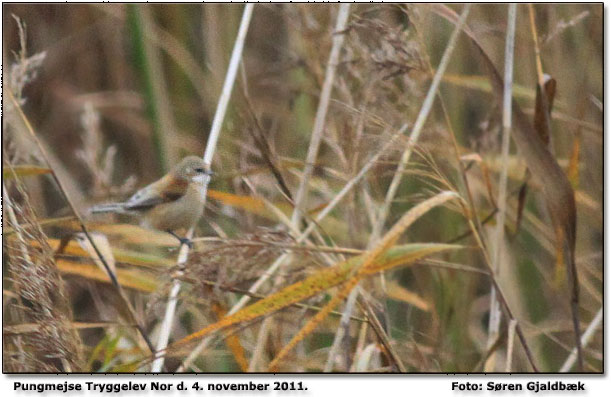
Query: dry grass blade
column 7, row 231
column 35, row 327
column 546, row 92
column 481, row 83
column 399, row 293
column 103, row 245
column 74, row 249
column 251, row 204
column 130, row 234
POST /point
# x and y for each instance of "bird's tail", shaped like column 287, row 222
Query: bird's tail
column 110, row 207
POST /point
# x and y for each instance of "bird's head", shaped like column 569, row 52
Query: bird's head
column 192, row 169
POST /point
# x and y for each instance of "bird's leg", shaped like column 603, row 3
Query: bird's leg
column 183, row 240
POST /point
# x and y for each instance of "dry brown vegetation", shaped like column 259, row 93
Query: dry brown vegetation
column 363, row 216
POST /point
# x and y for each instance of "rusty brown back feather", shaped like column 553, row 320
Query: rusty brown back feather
column 167, row 189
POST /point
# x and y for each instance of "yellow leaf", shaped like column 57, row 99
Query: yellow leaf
column 132, row 234
column 121, row 255
column 129, row 278
column 24, row 170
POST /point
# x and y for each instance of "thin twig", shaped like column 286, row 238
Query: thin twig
column 249, row 243
column 510, row 339
column 379, row 330
column 585, row 339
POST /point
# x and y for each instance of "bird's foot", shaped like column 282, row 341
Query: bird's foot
column 183, row 240
column 186, row 241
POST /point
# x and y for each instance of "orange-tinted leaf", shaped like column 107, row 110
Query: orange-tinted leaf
column 128, row 278
column 397, row 292
column 250, row 204
column 232, row 340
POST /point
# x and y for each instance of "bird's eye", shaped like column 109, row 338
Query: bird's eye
column 200, row 170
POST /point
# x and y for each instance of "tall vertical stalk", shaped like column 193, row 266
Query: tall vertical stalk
column 321, row 112
column 495, row 310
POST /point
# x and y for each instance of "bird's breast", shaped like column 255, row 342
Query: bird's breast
column 179, row 214
column 200, row 185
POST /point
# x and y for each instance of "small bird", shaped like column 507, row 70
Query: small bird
column 175, row 201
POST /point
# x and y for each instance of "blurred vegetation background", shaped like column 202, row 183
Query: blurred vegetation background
column 118, row 93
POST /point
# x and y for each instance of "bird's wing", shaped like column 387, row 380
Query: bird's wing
column 165, row 190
